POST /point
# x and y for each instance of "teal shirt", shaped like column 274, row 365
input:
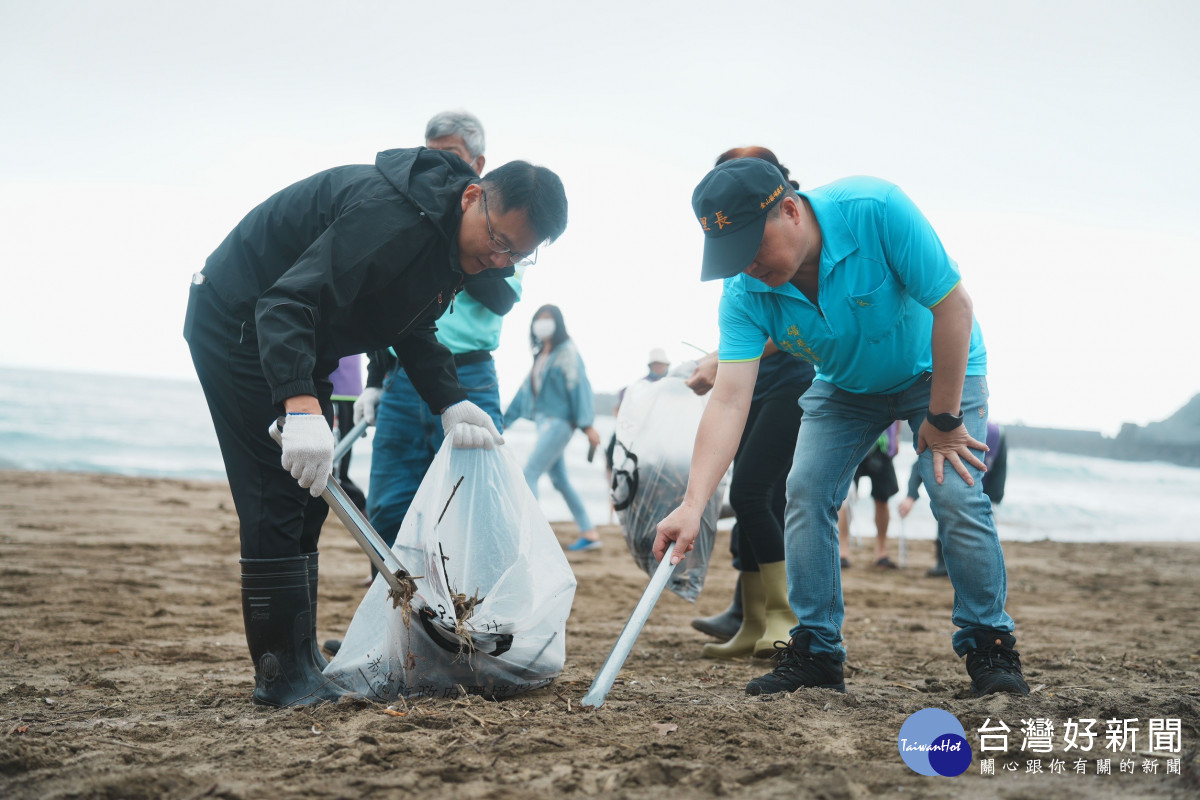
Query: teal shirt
column 882, row 269
column 472, row 326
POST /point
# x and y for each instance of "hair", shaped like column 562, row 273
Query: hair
column 560, row 328
column 457, row 123
column 519, row 185
column 755, row 151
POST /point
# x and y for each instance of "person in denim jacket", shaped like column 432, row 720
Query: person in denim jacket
column 557, row 396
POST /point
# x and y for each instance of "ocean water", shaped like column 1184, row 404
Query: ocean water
column 160, row 428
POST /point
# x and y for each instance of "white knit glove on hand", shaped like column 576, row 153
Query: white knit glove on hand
column 471, row 426
column 308, row 451
column 367, row 405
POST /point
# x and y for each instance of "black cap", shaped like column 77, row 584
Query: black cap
column 731, row 203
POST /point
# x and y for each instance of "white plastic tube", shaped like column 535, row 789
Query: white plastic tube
column 620, row 652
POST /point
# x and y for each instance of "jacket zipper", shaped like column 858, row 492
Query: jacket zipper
column 425, row 308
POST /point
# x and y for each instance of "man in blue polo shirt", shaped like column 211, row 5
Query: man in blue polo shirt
column 851, row 278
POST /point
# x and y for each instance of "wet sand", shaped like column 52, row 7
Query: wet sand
column 124, row 673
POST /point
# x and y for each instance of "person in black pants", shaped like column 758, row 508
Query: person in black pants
column 757, row 492
column 759, row 613
column 350, row 260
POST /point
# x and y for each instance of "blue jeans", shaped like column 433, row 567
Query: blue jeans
column 547, row 456
column 839, row 429
column 408, row 436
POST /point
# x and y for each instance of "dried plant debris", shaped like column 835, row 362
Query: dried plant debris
column 402, row 598
column 464, row 606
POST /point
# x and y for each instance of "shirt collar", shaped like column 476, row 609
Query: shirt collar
column 755, row 285
column 837, row 240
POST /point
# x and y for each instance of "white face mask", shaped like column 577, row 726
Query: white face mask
column 543, row 328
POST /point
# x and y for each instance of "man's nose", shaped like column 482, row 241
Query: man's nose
column 498, row 260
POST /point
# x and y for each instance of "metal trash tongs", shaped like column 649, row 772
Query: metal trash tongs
column 360, row 529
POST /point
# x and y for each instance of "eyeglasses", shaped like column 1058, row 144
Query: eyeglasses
column 497, row 246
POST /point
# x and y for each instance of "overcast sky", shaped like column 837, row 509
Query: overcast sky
column 1051, row 144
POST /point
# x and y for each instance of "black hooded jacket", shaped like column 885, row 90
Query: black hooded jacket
column 351, row 260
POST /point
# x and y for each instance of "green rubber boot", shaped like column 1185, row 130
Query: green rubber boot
column 779, row 617
column 754, row 621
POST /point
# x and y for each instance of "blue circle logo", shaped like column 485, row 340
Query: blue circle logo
column 933, row 742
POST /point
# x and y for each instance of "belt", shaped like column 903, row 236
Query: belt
column 473, row 357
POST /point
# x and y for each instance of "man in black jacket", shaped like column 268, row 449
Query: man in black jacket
column 350, row 260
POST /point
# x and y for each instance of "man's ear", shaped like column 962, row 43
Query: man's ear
column 471, row 195
column 790, row 209
column 478, row 164
column 790, row 206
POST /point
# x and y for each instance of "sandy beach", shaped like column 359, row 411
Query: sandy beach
column 124, row 673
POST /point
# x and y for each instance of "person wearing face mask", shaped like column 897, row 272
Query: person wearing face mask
column 350, row 260
column 557, row 396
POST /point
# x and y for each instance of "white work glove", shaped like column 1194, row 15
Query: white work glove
column 308, row 451
column 471, row 426
column 367, row 405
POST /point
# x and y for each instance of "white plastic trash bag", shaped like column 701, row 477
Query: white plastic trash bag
column 656, row 429
column 491, row 591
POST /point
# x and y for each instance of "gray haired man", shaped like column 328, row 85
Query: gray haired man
column 460, row 133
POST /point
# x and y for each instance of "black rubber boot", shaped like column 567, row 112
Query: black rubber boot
column 279, row 632
column 313, row 559
column 724, row 625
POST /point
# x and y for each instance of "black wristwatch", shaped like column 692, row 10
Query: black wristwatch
column 944, row 422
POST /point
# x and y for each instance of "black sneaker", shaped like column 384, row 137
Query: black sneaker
column 994, row 666
column 797, row 668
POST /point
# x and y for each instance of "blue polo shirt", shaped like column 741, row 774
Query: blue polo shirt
column 882, row 269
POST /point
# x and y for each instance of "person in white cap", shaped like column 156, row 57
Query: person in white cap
column 658, row 364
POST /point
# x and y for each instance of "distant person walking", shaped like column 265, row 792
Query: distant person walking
column 879, row 468
column 557, row 396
